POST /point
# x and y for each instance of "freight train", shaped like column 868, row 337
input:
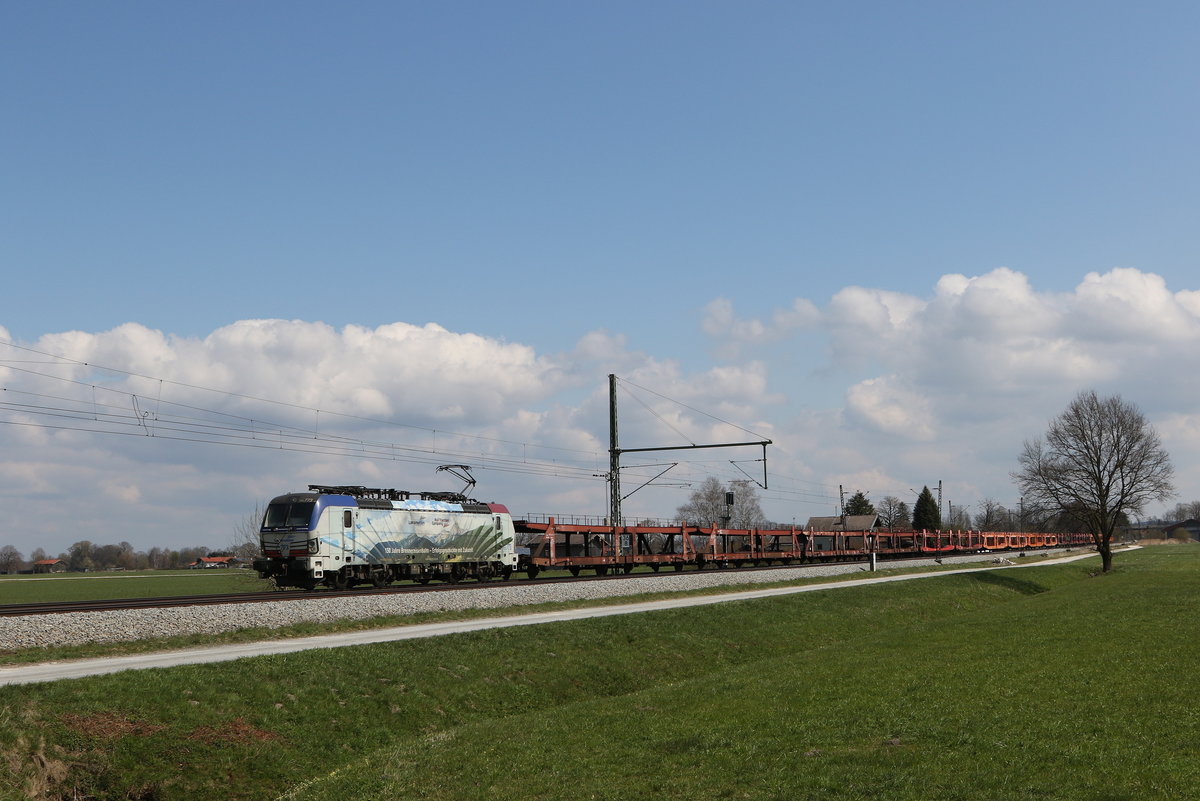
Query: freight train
column 343, row 536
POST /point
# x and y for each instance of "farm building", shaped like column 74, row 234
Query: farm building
column 1183, row 530
column 50, row 566
column 843, row 523
column 205, row 562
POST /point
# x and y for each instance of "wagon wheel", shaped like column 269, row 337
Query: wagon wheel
column 601, row 571
column 678, row 567
column 484, row 573
column 655, row 566
column 381, row 579
column 339, row 580
column 627, row 569
column 506, row 573
column 574, row 570
column 423, row 578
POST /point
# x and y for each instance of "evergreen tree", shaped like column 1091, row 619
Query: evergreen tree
column 858, row 505
column 926, row 514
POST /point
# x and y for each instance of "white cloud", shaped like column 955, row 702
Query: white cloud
column 949, row 385
column 125, row 493
column 1125, row 303
column 730, row 334
column 437, row 395
column 892, row 407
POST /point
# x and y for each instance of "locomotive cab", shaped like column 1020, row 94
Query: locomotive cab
column 297, row 536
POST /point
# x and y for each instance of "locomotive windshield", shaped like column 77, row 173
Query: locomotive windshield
column 289, row 515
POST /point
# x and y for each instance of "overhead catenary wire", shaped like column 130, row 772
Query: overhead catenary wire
column 156, row 415
column 56, row 359
column 212, row 426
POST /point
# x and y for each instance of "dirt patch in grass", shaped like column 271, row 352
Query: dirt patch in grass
column 233, row 731
column 34, row 772
column 109, row 725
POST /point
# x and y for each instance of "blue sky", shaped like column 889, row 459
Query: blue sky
column 700, row 196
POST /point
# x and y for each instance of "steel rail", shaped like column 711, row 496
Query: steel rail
column 166, row 602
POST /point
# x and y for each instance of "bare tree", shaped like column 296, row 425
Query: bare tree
column 1186, row 511
column 244, row 542
column 79, row 556
column 889, row 512
column 1100, row 462
column 958, row 517
column 747, row 508
column 707, row 506
column 993, row 516
column 10, row 559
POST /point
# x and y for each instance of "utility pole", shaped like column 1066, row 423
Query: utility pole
column 615, row 451
column 614, row 455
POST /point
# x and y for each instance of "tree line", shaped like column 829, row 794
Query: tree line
column 86, row 555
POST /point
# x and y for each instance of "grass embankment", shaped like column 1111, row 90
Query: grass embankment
column 1031, row 684
column 309, row 629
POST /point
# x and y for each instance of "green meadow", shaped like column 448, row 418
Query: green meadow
column 104, row 586
column 1039, row 683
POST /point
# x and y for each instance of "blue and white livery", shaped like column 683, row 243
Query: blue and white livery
column 341, row 536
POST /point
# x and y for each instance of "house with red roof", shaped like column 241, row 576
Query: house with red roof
column 205, row 562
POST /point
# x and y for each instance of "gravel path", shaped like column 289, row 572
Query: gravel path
column 34, row 631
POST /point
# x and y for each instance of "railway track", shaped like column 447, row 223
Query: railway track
column 108, row 605
column 61, row 607
column 165, row 602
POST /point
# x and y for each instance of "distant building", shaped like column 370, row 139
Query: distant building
column 206, row 562
column 1186, row 529
column 50, row 566
column 847, row 523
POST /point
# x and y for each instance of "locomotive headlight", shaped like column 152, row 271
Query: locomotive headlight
column 314, row 546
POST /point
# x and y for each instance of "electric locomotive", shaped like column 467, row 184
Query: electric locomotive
column 342, row 536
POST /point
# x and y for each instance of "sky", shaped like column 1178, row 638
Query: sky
column 894, row 239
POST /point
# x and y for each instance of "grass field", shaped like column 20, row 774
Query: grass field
column 1043, row 683
column 105, row 586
